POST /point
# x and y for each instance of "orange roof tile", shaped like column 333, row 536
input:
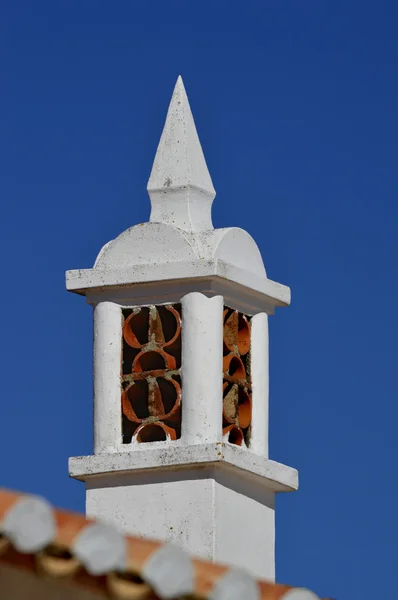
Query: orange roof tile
column 81, row 554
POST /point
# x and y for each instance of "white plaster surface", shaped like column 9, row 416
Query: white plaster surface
column 259, row 365
column 201, row 368
column 144, row 244
column 168, row 292
column 180, row 185
column 262, row 291
column 235, row 246
column 107, row 352
column 213, row 515
column 245, row 525
column 154, row 243
column 161, row 506
column 162, row 455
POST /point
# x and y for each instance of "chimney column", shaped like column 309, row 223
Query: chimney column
column 260, row 384
column 106, row 355
column 202, row 368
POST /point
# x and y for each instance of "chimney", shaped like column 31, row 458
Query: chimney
column 181, row 371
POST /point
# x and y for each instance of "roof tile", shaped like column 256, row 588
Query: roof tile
column 97, row 557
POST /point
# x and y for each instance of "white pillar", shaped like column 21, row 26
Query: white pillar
column 107, row 367
column 260, row 384
column 202, row 353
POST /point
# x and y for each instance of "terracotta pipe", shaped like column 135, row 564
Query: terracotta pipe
column 148, row 394
column 143, row 375
column 176, row 314
column 236, row 332
column 244, row 409
column 237, row 406
column 147, row 430
column 233, row 363
column 230, row 403
column 137, row 323
column 153, row 356
column 136, row 393
column 146, row 324
column 235, row 435
column 174, row 414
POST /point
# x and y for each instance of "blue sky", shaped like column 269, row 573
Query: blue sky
column 296, row 107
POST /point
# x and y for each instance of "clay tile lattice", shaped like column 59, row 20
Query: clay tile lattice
column 237, row 404
column 151, row 381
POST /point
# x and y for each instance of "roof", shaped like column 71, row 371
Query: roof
column 46, row 552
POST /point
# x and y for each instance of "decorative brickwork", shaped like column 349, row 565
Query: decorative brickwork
column 151, row 382
column 237, row 405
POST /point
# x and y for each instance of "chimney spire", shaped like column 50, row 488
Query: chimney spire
column 180, row 185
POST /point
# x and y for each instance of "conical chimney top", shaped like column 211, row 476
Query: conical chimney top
column 180, row 185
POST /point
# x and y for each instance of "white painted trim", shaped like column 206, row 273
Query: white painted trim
column 170, row 292
column 201, row 368
column 268, row 291
column 272, row 475
column 260, row 384
column 107, row 361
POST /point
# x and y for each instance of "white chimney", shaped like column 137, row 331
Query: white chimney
column 181, row 371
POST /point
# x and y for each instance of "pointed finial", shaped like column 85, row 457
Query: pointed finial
column 180, row 185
